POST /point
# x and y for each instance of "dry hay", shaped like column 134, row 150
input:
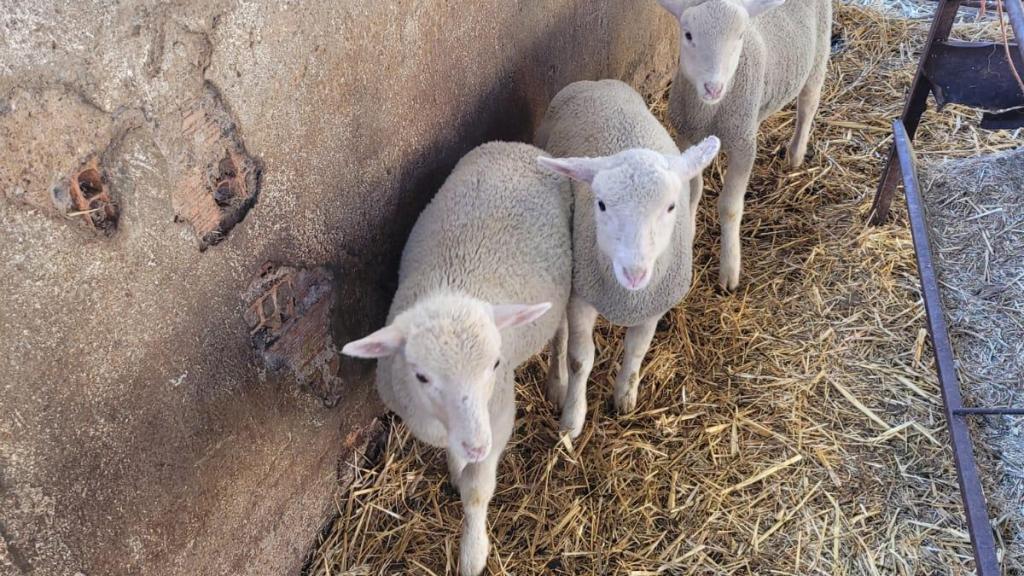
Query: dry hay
column 792, row 428
column 976, row 214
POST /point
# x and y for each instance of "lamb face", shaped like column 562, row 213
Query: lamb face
column 639, row 197
column 449, row 349
column 711, row 41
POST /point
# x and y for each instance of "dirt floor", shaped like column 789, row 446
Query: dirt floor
column 794, row 427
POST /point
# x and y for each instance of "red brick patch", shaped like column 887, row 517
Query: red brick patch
column 219, row 180
column 288, row 311
column 91, row 198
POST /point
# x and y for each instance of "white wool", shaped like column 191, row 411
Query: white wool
column 624, row 161
column 761, row 54
column 483, row 265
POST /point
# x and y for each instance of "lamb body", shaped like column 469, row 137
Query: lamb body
column 630, row 156
column 497, row 233
column 740, row 62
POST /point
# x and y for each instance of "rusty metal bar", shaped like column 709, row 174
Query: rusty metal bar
column 916, row 104
column 963, row 454
column 1009, row 120
column 989, row 412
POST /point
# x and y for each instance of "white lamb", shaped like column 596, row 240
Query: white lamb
column 497, row 233
column 632, row 227
column 741, row 61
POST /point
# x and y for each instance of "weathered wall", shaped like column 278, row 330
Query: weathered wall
column 139, row 432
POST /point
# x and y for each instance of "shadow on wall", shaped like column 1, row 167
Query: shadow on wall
column 509, row 110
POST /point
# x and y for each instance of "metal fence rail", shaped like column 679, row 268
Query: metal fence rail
column 971, row 490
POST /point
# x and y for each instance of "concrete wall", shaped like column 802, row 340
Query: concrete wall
column 139, row 432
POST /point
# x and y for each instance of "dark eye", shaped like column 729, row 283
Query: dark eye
column 497, row 363
column 601, row 205
column 422, row 378
column 689, row 37
column 671, row 208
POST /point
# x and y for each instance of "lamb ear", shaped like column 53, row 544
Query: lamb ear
column 512, row 315
column 756, row 7
column 696, row 158
column 582, row 169
column 384, row 342
column 676, row 7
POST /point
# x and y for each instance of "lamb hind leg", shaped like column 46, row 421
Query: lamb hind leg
column 558, row 365
column 582, row 317
column 806, row 108
column 730, row 212
column 638, row 342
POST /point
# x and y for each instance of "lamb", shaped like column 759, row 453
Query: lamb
column 632, row 227
column 741, row 61
column 495, row 235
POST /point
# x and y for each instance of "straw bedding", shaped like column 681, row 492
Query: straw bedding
column 794, row 427
column 976, row 214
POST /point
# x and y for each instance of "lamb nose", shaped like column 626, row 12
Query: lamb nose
column 714, row 89
column 476, row 452
column 635, row 275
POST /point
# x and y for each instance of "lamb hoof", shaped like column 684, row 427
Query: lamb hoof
column 729, row 281
column 473, row 557
column 626, row 403
column 572, row 422
column 625, row 395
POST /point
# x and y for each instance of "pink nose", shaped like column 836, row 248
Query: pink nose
column 635, row 276
column 474, row 453
column 713, row 89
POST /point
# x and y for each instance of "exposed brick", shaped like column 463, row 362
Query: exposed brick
column 219, row 180
column 91, row 199
column 288, row 312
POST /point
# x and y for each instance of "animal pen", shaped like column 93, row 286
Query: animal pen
column 203, row 203
column 793, row 428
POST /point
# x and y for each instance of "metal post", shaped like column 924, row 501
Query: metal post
column 916, row 104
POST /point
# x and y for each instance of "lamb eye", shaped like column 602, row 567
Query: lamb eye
column 422, row 378
column 601, row 205
column 671, row 208
column 497, row 363
column 689, row 37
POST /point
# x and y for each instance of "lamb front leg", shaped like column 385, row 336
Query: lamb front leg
column 696, row 192
column 582, row 317
column 476, row 487
column 730, row 211
column 478, row 479
column 456, row 464
column 638, row 342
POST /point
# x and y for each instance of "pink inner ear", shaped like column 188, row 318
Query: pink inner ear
column 375, row 348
